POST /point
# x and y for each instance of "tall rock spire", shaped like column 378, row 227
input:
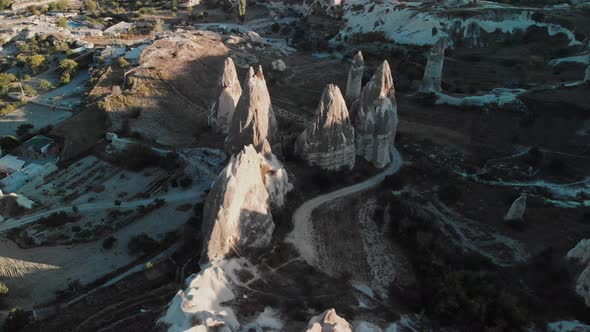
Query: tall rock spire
column 376, row 118
column 222, row 109
column 329, row 141
column 354, row 83
column 253, row 120
column 434, row 67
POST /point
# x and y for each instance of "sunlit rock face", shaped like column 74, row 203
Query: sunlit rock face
column 517, row 209
column 329, row 141
column 275, row 176
column 222, row 109
column 355, row 78
column 376, row 118
column 328, row 321
column 253, row 120
column 581, row 253
column 237, row 210
column 431, row 81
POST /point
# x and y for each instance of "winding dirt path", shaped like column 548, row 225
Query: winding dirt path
column 302, row 235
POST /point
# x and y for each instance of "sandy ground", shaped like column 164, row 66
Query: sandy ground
column 38, row 116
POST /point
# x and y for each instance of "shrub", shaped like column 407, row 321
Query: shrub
column 91, row 5
column 142, row 244
column 36, row 62
column 23, row 129
column 62, row 22
column 109, row 243
column 5, row 81
column 3, row 289
column 45, row 85
column 122, row 62
column 65, row 78
column 68, row 65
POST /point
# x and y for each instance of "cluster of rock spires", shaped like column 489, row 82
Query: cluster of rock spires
column 375, row 117
column 253, row 120
column 329, row 141
column 431, row 82
column 222, row 109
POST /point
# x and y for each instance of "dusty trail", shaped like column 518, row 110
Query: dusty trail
column 302, row 235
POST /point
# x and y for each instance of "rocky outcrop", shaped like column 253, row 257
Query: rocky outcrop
column 237, row 209
column 587, row 76
column 275, row 176
column 431, row 82
column 517, row 209
column 329, row 141
column 223, row 107
column 581, row 254
column 376, row 118
column 253, row 120
column 354, row 83
column 328, row 321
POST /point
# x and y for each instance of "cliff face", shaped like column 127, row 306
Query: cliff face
column 431, row 81
column 354, row 83
column 253, row 120
column 376, row 118
column 222, row 109
column 329, row 141
column 237, row 210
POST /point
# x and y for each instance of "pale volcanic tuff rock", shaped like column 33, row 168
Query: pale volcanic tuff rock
column 517, row 209
column 275, row 176
column 328, row 321
column 253, row 120
column 329, row 141
column 581, row 253
column 376, row 119
column 237, row 210
column 354, row 83
column 223, row 107
column 431, row 82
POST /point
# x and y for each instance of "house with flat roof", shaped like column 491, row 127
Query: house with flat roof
column 38, row 147
column 10, row 164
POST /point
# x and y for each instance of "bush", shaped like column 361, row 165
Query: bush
column 141, row 245
column 109, row 243
column 45, row 85
column 5, row 82
column 65, row 78
column 36, row 62
column 8, row 142
column 23, row 129
column 62, row 22
column 122, row 62
column 3, row 289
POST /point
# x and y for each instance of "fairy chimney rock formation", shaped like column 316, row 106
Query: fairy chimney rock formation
column 223, row 107
column 376, row 118
column 328, row 321
column 355, row 78
column 253, row 120
column 329, row 141
column 431, row 81
column 517, row 209
column 237, row 209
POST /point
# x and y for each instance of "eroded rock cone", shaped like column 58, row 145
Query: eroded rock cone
column 237, row 210
column 328, row 321
column 253, row 120
column 354, row 83
column 222, row 109
column 376, row 118
column 329, row 141
column 517, row 209
column 431, row 81
column 275, row 176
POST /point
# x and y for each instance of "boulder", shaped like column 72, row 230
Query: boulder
column 279, row 65
column 581, row 254
column 431, row 82
column 329, row 141
column 328, row 321
column 253, row 120
column 222, row 109
column 376, row 119
column 354, row 83
column 517, row 209
column 237, row 209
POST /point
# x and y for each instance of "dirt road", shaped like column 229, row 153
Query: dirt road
column 302, row 235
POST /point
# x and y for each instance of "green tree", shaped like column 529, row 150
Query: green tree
column 6, row 80
column 65, row 78
column 62, row 22
column 45, row 85
column 68, row 65
column 36, row 62
column 91, row 5
column 3, row 289
column 23, row 48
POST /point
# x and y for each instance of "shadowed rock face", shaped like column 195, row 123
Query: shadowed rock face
column 275, row 176
column 253, row 120
column 237, row 209
column 355, row 78
column 328, row 321
column 376, row 118
column 223, row 107
column 329, row 141
column 587, row 76
column 434, row 66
